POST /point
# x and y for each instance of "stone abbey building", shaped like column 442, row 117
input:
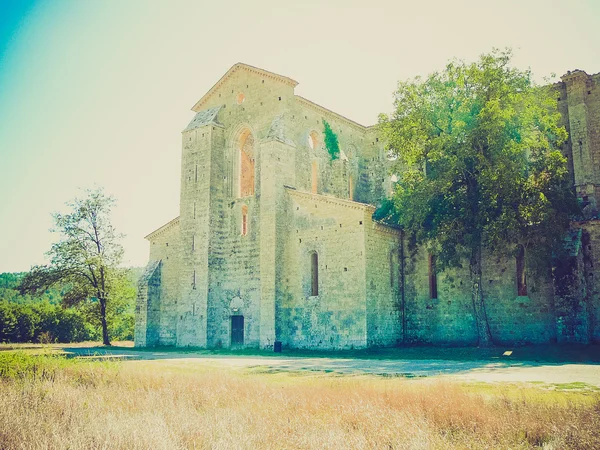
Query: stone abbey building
column 276, row 242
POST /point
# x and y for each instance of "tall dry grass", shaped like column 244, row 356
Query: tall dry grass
column 78, row 405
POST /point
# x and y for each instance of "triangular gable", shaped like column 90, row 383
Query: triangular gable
column 241, row 66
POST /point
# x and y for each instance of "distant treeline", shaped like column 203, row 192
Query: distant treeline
column 24, row 318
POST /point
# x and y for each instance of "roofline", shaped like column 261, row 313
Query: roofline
column 166, row 226
column 329, row 199
column 234, row 68
column 329, row 112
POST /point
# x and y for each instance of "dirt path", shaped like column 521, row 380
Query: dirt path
column 485, row 370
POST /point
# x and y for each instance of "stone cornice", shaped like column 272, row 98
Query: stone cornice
column 327, row 112
column 329, row 200
column 386, row 229
column 241, row 66
column 164, row 228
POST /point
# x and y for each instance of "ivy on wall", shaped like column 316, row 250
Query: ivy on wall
column 331, row 141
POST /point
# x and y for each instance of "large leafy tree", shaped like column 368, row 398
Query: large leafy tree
column 479, row 166
column 85, row 261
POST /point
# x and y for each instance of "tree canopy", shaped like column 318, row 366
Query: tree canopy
column 479, row 165
column 85, row 260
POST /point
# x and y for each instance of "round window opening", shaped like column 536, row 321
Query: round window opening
column 240, row 98
column 313, row 140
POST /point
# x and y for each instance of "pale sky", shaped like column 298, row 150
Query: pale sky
column 97, row 92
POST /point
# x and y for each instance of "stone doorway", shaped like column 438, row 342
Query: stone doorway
column 237, row 330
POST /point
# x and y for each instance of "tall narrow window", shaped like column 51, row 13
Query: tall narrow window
column 392, row 270
column 194, row 280
column 314, row 274
column 194, row 210
column 193, row 242
column 244, row 220
column 521, row 276
column 350, row 188
column 246, row 164
column 196, row 175
column 314, row 181
column 432, row 277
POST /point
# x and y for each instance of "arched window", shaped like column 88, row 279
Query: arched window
column 244, row 220
column 393, row 269
column 433, row 293
column 314, row 179
column 313, row 140
column 521, row 275
column 246, row 146
column 314, row 274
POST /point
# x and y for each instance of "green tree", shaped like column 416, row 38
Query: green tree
column 479, row 165
column 85, row 260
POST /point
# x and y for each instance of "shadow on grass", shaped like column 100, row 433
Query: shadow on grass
column 571, row 353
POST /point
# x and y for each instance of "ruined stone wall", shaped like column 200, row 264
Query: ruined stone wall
column 360, row 173
column 336, row 317
column 579, row 105
column 578, row 308
column 585, row 312
column 449, row 319
column 446, row 319
column 513, row 318
column 383, row 284
column 158, row 293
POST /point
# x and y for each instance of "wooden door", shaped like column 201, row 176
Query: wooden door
column 237, row 330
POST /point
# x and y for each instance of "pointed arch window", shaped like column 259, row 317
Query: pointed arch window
column 246, row 149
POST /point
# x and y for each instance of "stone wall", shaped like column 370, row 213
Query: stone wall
column 513, row 318
column 383, row 284
column 336, row 317
column 579, row 105
column 157, row 307
column 585, row 313
column 448, row 318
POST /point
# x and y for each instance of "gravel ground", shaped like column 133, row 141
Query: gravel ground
column 496, row 370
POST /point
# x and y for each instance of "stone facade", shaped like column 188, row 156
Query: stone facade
column 275, row 240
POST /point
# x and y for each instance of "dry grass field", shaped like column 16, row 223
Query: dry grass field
column 48, row 401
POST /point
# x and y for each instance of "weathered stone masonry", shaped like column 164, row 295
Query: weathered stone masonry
column 276, row 242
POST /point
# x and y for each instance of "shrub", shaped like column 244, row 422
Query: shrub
column 42, row 322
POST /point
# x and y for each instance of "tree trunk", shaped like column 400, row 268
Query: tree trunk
column 483, row 327
column 105, row 339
